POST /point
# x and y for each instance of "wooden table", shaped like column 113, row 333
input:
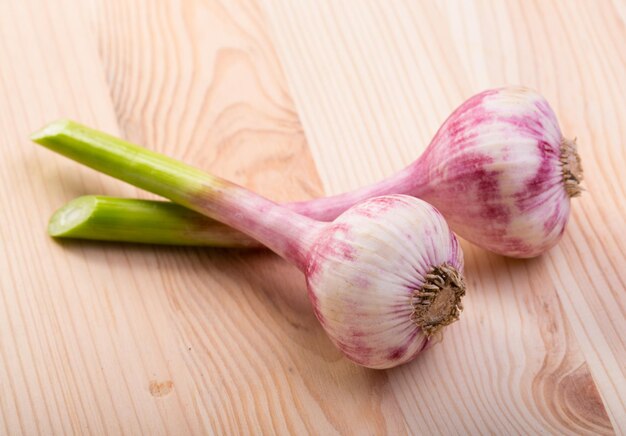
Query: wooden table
column 298, row 99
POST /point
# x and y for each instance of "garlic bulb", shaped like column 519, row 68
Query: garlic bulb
column 384, row 277
column 501, row 172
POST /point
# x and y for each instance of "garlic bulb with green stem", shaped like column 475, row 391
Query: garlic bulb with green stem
column 499, row 170
column 383, row 277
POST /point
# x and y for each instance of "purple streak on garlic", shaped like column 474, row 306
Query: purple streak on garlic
column 499, row 170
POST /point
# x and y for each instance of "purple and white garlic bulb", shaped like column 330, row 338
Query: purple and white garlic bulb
column 499, row 170
column 383, row 277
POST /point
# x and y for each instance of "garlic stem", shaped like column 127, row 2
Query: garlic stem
column 99, row 217
column 285, row 232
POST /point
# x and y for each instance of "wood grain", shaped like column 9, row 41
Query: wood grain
column 297, row 99
column 417, row 62
column 257, row 346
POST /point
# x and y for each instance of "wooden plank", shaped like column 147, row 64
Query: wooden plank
column 106, row 338
column 201, row 81
column 78, row 344
column 372, row 82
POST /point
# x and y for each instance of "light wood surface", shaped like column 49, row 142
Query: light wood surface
column 298, row 99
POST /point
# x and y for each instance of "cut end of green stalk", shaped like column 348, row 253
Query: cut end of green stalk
column 74, row 214
column 103, row 218
column 50, row 130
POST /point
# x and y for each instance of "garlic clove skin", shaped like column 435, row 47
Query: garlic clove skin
column 502, row 173
column 375, row 279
